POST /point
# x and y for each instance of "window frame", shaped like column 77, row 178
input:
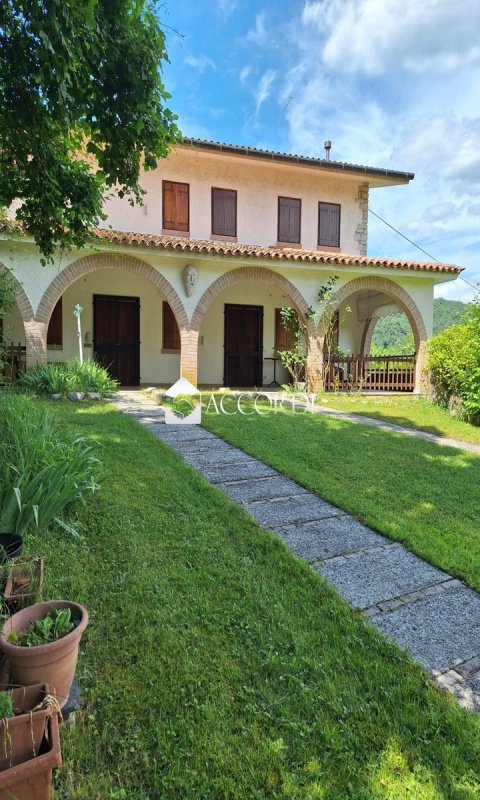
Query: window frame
column 336, row 205
column 177, row 228
column 235, row 193
column 299, row 201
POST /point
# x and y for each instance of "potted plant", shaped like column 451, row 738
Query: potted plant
column 24, row 584
column 41, row 644
column 31, row 779
column 24, row 715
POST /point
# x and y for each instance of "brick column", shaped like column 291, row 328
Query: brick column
column 189, row 355
column 421, row 377
column 315, row 364
column 35, row 342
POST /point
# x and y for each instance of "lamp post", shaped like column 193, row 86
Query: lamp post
column 76, row 313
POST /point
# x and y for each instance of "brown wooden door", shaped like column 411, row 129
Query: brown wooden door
column 243, row 345
column 116, row 336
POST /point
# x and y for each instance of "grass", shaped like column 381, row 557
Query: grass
column 218, row 667
column 409, row 411
column 413, row 491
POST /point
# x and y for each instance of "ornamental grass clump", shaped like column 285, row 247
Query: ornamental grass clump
column 72, row 376
column 43, row 468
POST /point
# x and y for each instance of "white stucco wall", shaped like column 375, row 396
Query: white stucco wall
column 258, row 184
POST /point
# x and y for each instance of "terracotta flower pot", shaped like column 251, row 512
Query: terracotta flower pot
column 21, row 736
column 32, row 780
column 53, row 663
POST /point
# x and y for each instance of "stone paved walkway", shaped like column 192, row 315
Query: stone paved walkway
column 358, row 419
column 421, row 608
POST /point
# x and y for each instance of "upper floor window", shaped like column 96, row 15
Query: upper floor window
column 289, row 216
column 329, row 225
column 176, row 215
column 224, row 212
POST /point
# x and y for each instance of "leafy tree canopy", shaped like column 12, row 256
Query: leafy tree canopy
column 82, row 110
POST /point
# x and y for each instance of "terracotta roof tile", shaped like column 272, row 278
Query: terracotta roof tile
column 218, row 248
column 267, row 253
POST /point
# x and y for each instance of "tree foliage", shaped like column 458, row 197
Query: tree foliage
column 83, row 109
column 454, row 362
column 393, row 334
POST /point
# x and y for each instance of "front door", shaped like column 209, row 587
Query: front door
column 243, row 345
column 116, row 336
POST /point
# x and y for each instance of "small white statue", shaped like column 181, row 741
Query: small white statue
column 190, row 277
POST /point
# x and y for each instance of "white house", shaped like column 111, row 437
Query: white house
column 191, row 282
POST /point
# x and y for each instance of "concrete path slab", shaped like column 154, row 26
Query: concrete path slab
column 365, row 579
column 418, row 606
column 440, row 632
column 215, row 458
column 330, row 537
column 275, row 514
column 261, row 489
column 237, row 472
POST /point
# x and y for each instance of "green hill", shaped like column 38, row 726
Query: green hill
column 393, row 333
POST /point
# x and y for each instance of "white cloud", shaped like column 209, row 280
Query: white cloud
column 263, row 89
column 227, row 7
column 244, row 74
column 373, row 36
column 258, row 35
column 200, row 63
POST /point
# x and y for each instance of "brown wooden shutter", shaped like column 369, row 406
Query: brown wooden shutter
column 329, row 224
column 284, row 338
column 224, row 212
column 171, row 333
column 176, row 206
column 289, row 215
column 55, row 326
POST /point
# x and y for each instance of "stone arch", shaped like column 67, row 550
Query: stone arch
column 21, row 298
column 259, row 274
column 98, row 261
column 392, row 289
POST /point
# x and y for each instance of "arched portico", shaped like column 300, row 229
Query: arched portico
column 402, row 299
column 255, row 292
column 91, row 278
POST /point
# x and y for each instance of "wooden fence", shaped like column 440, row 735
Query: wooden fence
column 379, row 373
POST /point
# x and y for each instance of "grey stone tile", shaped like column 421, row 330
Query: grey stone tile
column 216, row 457
column 237, row 472
column 440, row 632
column 200, row 446
column 276, row 514
column 330, row 537
column 261, row 489
column 183, row 433
column 369, row 578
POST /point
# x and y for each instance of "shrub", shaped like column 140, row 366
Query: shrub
column 454, row 363
column 42, row 468
column 70, row 377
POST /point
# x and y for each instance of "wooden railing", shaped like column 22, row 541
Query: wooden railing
column 380, row 373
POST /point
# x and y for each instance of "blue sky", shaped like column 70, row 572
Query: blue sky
column 393, row 83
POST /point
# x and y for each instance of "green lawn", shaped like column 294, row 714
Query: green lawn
column 410, row 411
column 416, row 492
column 216, row 666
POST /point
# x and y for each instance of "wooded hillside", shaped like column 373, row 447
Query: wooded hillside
column 393, row 334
